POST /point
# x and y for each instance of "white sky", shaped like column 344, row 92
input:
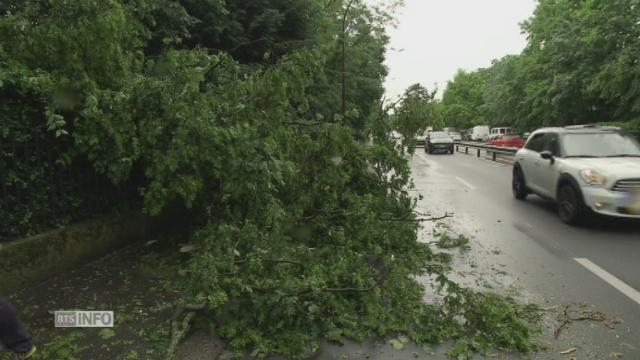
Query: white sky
column 441, row 36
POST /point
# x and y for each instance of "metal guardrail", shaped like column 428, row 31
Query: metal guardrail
column 494, row 152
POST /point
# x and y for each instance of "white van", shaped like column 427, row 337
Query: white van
column 480, row 133
column 497, row 132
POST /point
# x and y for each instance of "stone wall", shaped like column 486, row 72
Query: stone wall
column 32, row 260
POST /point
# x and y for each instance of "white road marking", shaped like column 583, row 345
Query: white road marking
column 471, row 187
column 627, row 290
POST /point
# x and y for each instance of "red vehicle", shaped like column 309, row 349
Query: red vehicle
column 512, row 141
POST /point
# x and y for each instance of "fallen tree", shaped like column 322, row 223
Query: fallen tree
column 303, row 226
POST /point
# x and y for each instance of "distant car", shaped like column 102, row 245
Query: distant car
column 438, row 141
column 584, row 169
column 480, row 133
column 456, row 136
column 512, row 141
column 496, row 132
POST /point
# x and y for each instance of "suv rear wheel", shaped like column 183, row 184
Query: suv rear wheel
column 519, row 186
column 570, row 205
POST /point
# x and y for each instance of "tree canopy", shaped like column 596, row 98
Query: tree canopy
column 417, row 111
column 578, row 67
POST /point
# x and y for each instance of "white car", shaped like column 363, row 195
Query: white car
column 584, row 169
column 455, row 136
column 480, row 133
column 497, row 132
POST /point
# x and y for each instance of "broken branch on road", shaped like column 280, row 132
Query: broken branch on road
column 179, row 329
column 571, row 313
column 445, row 216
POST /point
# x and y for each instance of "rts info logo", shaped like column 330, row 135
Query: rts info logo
column 97, row 319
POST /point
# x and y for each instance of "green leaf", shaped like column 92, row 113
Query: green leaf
column 397, row 344
column 106, row 333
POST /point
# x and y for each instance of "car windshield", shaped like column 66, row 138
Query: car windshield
column 438, row 135
column 600, row 145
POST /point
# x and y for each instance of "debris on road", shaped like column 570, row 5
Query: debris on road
column 571, row 313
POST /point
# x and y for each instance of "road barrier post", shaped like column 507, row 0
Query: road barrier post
column 478, row 152
column 493, row 156
column 466, row 150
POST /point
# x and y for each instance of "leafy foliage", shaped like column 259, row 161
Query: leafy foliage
column 417, row 111
column 577, row 68
column 463, row 100
column 495, row 322
column 230, row 111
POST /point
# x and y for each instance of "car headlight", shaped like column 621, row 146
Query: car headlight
column 593, row 177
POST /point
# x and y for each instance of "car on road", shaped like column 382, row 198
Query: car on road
column 480, row 133
column 438, row 141
column 585, row 169
column 456, row 136
column 496, row 132
column 511, row 141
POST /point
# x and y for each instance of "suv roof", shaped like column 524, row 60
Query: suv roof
column 581, row 129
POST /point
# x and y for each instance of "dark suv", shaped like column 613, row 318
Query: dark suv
column 438, row 141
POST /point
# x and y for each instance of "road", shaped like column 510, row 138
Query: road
column 552, row 263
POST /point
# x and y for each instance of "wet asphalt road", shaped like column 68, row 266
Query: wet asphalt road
column 543, row 256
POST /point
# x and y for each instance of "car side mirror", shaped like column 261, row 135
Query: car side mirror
column 547, row 155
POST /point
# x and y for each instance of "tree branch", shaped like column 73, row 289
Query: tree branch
column 302, row 123
column 299, row 264
column 274, row 261
column 346, row 290
column 180, row 328
column 180, row 309
column 328, row 5
column 445, row 216
column 344, row 59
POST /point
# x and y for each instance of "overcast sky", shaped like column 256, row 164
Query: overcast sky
column 441, row 36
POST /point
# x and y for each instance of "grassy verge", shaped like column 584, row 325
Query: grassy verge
column 135, row 283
